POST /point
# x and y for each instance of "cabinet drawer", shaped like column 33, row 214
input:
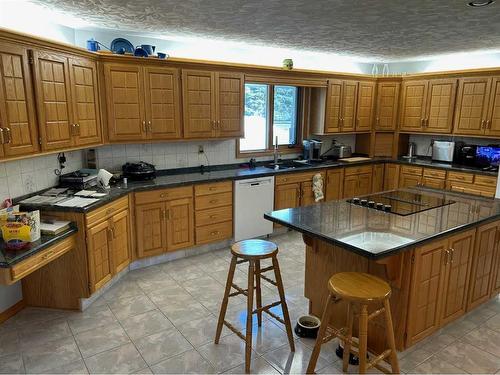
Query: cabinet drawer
column 40, row 259
column 291, row 178
column 416, row 171
column 358, row 170
column 213, row 188
column 489, row 181
column 214, row 215
column 215, row 200
column 460, row 177
column 104, row 212
column 214, row 232
column 162, row 195
column 435, row 173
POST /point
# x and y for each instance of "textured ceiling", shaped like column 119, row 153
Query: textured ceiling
column 384, row 30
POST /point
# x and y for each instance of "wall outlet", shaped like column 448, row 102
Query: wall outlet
column 200, row 149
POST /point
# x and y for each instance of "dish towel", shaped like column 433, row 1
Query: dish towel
column 317, row 187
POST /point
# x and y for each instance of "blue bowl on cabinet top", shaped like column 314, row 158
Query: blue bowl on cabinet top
column 120, row 43
column 140, row 52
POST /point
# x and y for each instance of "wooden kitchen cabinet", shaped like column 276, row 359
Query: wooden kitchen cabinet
column 387, row 105
column 378, row 178
column 295, row 189
column 493, row 120
column 213, row 104
column 334, row 184
column 482, row 264
column 365, row 106
column 108, row 242
column 428, row 105
column 143, row 102
column 391, row 176
column 164, row 220
column 472, row 105
column 287, row 196
column 357, row 181
column 18, row 129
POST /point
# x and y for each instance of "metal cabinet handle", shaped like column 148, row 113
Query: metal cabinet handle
column 2, row 139
column 488, row 124
column 77, row 127
column 9, row 136
column 214, row 201
column 150, row 128
column 214, row 233
column 378, row 121
column 446, row 256
column 483, row 124
column 452, row 252
column 144, row 128
column 422, row 121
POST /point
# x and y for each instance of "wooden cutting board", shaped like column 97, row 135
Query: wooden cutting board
column 354, row 159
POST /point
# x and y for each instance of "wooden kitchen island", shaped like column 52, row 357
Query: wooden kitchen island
column 438, row 250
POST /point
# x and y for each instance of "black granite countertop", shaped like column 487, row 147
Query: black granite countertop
column 10, row 257
column 186, row 176
column 375, row 234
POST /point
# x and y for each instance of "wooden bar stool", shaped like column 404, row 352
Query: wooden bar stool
column 253, row 251
column 361, row 289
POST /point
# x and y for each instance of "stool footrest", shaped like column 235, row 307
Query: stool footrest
column 331, row 333
column 267, row 307
column 266, row 269
column 374, row 362
column 241, row 261
column 376, row 313
column 270, row 281
column 275, row 316
column 239, row 291
column 232, row 328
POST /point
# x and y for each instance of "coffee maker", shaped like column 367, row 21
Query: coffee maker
column 312, row 149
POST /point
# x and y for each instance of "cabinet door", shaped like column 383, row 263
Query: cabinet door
column 387, row 105
column 378, row 178
column 425, row 290
column 307, row 195
column 198, row 98
column 180, row 223
column 351, row 186
column 287, row 196
column 435, row 183
column 364, row 184
column 391, row 176
column 162, row 103
column 150, row 229
column 230, row 104
column 493, row 121
column 125, row 102
column 334, row 184
column 456, row 281
column 333, row 105
column 495, row 280
column 413, row 105
column 120, row 229
column 53, row 93
column 482, row 264
column 99, row 249
column 472, row 105
column 17, row 107
column 349, row 104
column 85, row 95
column 408, row 180
column 366, row 106
column 440, row 105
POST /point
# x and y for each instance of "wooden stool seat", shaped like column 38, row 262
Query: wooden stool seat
column 363, row 290
column 358, row 286
column 254, row 249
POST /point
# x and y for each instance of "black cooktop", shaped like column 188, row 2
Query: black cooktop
column 401, row 203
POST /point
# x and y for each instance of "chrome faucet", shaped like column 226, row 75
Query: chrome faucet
column 276, row 151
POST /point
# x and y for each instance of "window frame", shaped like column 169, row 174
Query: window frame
column 283, row 149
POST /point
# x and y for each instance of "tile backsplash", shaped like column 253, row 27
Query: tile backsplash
column 423, row 142
column 20, row 177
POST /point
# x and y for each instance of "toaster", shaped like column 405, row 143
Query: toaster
column 339, row 151
column 139, row 171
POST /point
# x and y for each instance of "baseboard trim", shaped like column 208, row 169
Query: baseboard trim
column 11, row 311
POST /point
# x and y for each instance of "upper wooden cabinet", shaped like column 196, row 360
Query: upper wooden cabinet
column 478, row 106
column 387, row 105
column 143, row 102
column 349, row 106
column 428, row 105
column 213, row 104
column 68, row 106
column 18, row 130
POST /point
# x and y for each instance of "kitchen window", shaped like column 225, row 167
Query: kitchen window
column 270, row 111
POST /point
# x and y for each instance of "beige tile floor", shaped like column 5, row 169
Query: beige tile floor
column 162, row 319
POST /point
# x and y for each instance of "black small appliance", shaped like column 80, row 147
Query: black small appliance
column 465, row 154
column 140, row 171
column 78, row 180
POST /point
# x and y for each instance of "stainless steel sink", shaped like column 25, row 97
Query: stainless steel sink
column 376, row 242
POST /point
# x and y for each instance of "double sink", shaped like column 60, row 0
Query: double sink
column 293, row 164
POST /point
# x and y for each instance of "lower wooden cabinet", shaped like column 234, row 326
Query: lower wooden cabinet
column 482, row 266
column 295, row 189
column 334, row 184
column 378, row 178
column 440, row 281
column 108, row 247
column 287, row 196
column 164, row 225
column 357, row 181
column 391, row 176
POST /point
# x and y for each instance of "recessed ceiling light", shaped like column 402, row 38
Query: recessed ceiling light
column 480, row 3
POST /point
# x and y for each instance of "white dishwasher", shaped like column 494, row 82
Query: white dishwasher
column 253, row 198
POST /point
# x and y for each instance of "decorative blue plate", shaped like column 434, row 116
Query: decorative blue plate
column 140, row 52
column 119, row 43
